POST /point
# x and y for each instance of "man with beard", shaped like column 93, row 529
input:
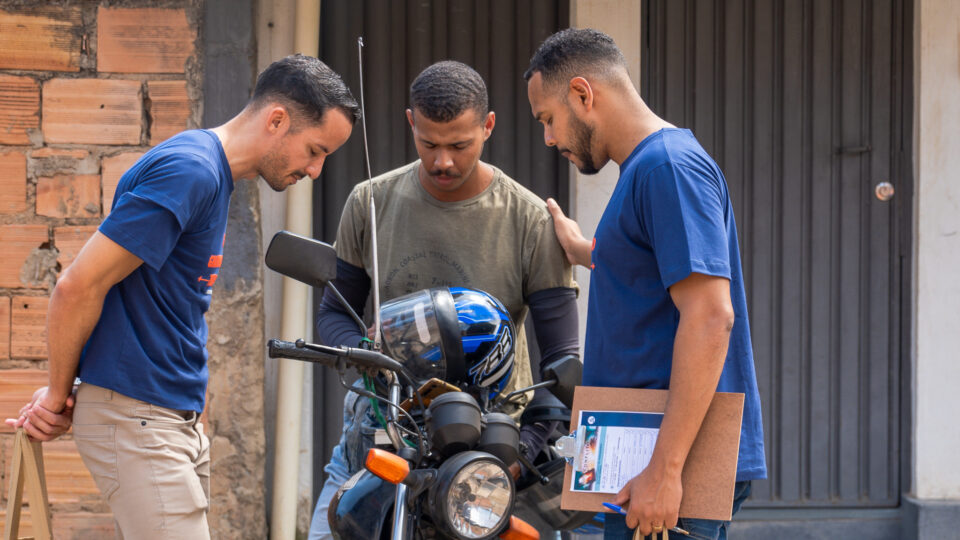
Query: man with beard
column 453, row 220
column 127, row 316
column 667, row 307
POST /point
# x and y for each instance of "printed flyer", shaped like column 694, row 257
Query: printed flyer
column 612, row 448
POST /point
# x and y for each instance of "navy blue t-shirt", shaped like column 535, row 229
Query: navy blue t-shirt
column 669, row 216
column 170, row 210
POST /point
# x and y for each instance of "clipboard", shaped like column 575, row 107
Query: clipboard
column 710, row 471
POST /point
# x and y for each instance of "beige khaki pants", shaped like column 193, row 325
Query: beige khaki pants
column 152, row 464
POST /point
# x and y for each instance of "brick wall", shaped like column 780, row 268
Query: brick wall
column 85, row 89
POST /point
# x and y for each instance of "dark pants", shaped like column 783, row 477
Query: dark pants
column 615, row 525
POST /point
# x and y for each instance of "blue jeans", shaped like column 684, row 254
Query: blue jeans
column 355, row 439
column 615, row 525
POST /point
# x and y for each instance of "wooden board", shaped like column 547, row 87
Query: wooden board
column 710, row 472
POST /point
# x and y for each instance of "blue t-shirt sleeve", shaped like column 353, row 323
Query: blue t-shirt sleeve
column 143, row 228
column 164, row 200
column 682, row 213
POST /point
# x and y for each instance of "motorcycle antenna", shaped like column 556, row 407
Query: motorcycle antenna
column 373, row 208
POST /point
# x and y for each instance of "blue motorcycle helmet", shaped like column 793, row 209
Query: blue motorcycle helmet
column 462, row 336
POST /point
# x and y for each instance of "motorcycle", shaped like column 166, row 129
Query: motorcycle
column 447, row 476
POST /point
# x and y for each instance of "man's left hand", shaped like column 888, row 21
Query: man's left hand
column 39, row 421
column 654, row 500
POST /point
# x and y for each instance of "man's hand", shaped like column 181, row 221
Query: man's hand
column 651, row 499
column 45, row 418
column 571, row 238
column 514, row 469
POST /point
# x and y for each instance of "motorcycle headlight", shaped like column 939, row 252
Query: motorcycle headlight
column 473, row 496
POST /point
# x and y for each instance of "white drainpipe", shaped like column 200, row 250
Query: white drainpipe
column 295, row 323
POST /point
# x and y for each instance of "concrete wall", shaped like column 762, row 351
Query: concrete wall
column 620, row 19
column 236, row 390
column 937, row 250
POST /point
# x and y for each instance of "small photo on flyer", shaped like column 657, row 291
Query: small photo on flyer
column 612, row 448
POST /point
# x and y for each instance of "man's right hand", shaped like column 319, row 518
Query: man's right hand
column 571, row 238
column 38, row 419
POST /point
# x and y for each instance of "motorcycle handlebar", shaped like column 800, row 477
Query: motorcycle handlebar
column 328, row 356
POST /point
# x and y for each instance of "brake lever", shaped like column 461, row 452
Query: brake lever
column 522, row 458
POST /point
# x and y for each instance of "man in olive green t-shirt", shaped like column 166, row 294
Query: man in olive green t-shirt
column 448, row 219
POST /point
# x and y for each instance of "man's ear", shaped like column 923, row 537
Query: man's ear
column 488, row 125
column 278, row 120
column 580, row 93
column 410, row 118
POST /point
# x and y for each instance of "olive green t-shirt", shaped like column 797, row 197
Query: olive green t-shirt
column 500, row 241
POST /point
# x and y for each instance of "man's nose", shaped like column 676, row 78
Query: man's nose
column 443, row 160
column 548, row 138
column 314, row 168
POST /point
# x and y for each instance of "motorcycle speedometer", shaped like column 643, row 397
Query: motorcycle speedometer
column 473, row 496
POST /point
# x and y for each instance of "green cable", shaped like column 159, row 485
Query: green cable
column 368, row 384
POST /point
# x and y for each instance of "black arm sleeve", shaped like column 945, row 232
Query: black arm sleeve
column 555, row 322
column 335, row 326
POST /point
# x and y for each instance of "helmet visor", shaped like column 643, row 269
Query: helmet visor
column 411, row 334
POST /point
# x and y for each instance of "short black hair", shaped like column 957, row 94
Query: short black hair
column 307, row 87
column 445, row 89
column 572, row 52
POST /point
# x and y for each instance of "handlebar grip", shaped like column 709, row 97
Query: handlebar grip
column 372, row 359
column 286, row 349
column 323, row 354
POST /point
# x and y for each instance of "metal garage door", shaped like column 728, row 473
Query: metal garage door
column 803, row 104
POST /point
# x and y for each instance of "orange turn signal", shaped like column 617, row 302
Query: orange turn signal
column 387, row 466
column 519, row 530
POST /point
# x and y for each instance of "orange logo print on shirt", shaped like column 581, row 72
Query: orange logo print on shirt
column 214, row 263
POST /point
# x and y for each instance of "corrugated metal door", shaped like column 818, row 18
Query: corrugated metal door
column 497, row 38
column 802, row 104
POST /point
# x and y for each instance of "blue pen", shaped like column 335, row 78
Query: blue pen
column 621, row 511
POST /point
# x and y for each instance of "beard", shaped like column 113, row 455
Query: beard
column 580, row 145
column 272, row 170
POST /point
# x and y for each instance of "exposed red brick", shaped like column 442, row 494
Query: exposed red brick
column 41, row 39
column 68, row 480
column 112, row 168
column 83, row 526
column 47, row 152
column 169, row 109
column 19, row 106
column 143, row 40
column 69, row 240
column 26, row 522
column 16, row 389
column 16, row 243
column 28, row 327
column 13, row 183
column 4, row 334
column 72, row 526
column 92, row 111
column 69, row 196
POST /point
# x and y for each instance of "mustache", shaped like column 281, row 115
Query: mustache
column 440, row 172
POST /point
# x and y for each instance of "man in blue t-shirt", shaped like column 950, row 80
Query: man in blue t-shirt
column 667, row 307
column 127, row 316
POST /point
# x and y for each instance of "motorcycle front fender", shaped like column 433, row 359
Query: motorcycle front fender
column 361, row 507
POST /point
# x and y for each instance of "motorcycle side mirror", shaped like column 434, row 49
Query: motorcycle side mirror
column 309, row 261
column 303, row 259
column 568, row 372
